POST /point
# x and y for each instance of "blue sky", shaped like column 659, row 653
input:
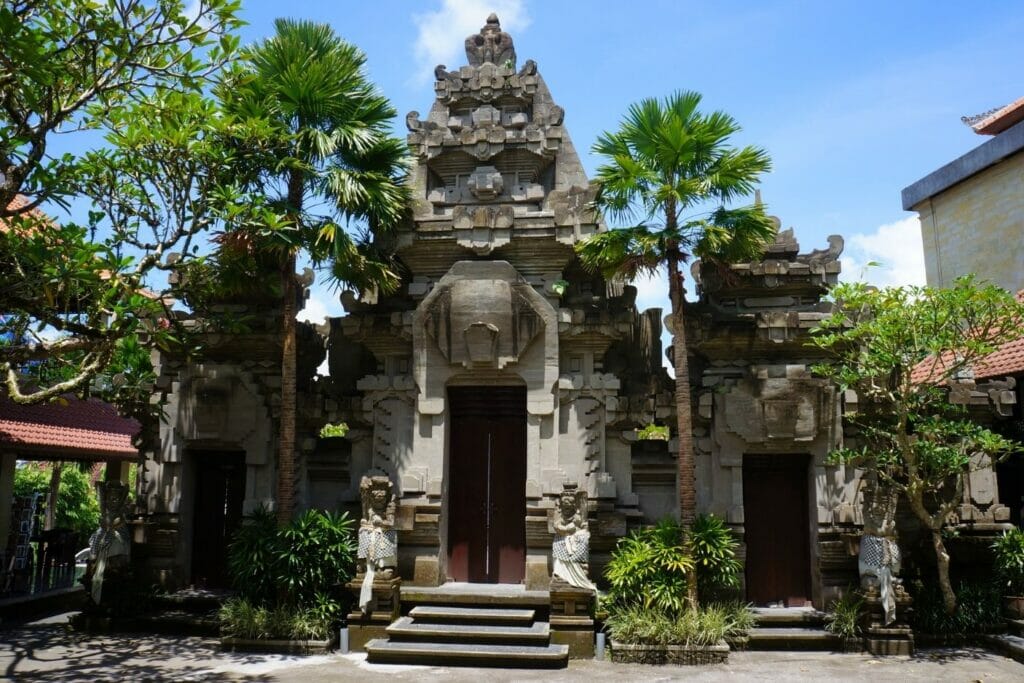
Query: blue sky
column 853, row 100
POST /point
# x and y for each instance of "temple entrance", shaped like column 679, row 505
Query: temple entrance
column 219, row 492
column 777, row 529
column 487, row 484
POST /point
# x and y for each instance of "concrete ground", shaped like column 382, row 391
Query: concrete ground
column 46, row 651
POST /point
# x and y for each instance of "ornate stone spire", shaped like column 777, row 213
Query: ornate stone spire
column 491, row 45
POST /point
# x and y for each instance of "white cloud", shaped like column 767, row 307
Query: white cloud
column 320, row 305
column 443, row 31
column 897, row 250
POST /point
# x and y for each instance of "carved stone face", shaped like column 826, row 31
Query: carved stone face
column 567, row 504
column 379, row 498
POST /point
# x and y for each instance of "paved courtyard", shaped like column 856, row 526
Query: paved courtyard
column 46, row 651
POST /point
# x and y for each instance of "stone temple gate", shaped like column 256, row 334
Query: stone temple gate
column 501, row 371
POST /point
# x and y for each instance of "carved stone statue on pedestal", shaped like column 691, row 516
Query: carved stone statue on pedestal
column 110, row 544
column 879, row 561
column 571, row 547
column 377, row 555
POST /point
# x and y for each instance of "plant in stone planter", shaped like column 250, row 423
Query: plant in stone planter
column 844, row 619
column 1009, row 559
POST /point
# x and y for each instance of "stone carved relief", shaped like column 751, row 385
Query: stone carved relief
column 377, row 556
column 766, row 410
column 570, row 549
column 491, row 45
column 483, row 322
column 110, row 544
column 388, row 405
column 591, row 404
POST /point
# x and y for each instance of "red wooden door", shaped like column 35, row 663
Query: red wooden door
column 777, row 532
column 487, row 484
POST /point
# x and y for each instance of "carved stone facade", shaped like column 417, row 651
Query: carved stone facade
column 501, row 371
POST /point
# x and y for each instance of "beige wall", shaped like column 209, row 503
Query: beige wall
column 977, row 226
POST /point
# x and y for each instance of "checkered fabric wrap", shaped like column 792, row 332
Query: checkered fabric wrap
column 377, row 544
column 877, row 552
column 574, row 548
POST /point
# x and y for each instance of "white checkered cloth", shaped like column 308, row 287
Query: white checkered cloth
column 570, row 553
column 880, row 557
column 379, row 547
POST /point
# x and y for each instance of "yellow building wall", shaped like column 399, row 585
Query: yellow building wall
column 977, row 226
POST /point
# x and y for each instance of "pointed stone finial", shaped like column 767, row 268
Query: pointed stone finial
column 491, row 45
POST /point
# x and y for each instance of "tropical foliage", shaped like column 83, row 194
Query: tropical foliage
column 903, row 350
column 844, row 615
column 979, row 609
column 77, row 505
column 671, row 173
column 327, row 147
column 1008, row 549
column 709, row 625
column 133, row 73
column 241, row 618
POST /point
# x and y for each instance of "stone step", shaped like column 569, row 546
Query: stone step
column 476, row 595
column 770, row 617
column 408, row 629
column 1010, row 645
column 1015, row 626
column 382, row 651
column 470, row 615
column 789, row 638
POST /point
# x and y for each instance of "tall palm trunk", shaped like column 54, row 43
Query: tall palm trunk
column 286, row 448
column 686, row 478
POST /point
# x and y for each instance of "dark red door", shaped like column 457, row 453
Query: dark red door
column 219, row 493
column 775, row 519
column 487, row 484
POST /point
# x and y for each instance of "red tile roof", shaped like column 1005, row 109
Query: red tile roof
column 69, row 427
column 18, row 202
column 998, row 120
column 1008, row 359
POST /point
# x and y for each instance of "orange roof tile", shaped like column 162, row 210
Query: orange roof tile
column 69, row 427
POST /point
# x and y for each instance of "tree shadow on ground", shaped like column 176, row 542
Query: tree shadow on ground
column 53, row 652
column 948, row 655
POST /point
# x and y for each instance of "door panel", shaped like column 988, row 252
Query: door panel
column 487, row 491
column 775, row 489
column 217, row 512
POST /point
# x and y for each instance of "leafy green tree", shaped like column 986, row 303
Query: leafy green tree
column 902, row 349
column 672, row 167
column 77, row 506
column 328, row 149
column 132, row 71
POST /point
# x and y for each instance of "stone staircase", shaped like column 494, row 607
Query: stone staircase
column 791, row 628
column 460, row 628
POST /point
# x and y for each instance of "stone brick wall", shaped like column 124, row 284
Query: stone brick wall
column 977, row 226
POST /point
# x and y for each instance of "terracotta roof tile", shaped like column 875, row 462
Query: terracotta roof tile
column 71, row 427
column 18, row 202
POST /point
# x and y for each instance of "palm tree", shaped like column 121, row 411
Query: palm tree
column 326, row 148
column 672, row 167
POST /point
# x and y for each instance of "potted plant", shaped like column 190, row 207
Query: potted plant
column 647, row 615
column 1009, row 559
column 844, row 621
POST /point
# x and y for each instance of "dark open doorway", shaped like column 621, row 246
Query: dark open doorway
column 487, row 484
column 219, row 493
column 775, row 519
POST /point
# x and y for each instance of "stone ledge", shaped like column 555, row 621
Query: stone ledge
column 302, row 647
column 691, row 655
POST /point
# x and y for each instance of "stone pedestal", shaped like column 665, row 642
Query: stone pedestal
column 571, row 620
column 896, row 638
column 382, row 610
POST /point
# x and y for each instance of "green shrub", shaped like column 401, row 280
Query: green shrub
column 1009, row 559
column 296, row 564
column 978, row 609
column 714, row 550
column 843, row 618
column 705, row 626
column 648, row 569
column 77, row 505
column 241, row 618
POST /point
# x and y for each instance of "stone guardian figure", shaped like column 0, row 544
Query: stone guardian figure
column 879, row 560
column 110, row 544
column 378, row 539
column 571, row 547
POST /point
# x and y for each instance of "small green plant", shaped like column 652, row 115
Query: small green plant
column 653, row 432
column 1009, row 559
column 844, row 617
column 241, row 618
column 705, row 626
column 333, row 431
column 648, row 569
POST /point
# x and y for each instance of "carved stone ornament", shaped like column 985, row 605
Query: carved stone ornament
column 110, row 544
column 491, row 45
column 571, row 547
column 378, row 540
column 879, row 561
